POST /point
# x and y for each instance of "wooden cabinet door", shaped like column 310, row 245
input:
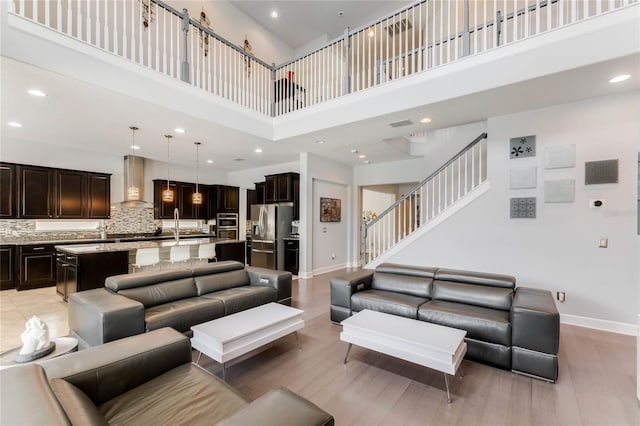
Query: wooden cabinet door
column 296, row 197
column 251, row 200
column 99, row 196
column 186, row 208
column 37, row 267
column 164, row 209
column 261, row 188
column 7, row 191
column 71, row 190
column 232, row 199
column 271, row 189
column 37, row 200
column 284, row 188
column 7, row 267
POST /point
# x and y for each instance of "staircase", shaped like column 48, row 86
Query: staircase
column 441, row 194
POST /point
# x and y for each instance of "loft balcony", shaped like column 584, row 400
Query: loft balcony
column 467, row 59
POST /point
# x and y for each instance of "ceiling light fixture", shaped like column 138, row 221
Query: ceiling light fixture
column 274, row 14
column 425, row 120
column 178, row 130
column 210, row 161
column 36, row 92
column 319, row 142
column 258, row 150
column 136, row 147
column 167, row 194
column 14, row 124
column 362, row 156
column 196, row 198
column 619, row 78
column 354, row 151
column 133, row 192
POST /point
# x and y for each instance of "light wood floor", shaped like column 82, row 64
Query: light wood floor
column 596, row 384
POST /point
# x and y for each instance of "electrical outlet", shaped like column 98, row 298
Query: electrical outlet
column 333, row 256
column 594, row 204
column 561, row 296
column 603, row 243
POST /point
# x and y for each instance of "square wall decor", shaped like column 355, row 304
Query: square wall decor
column 559, row 191
column 522, row 146
column 523, row 178
column 559, row 156
column 523, row 208
column 596, row 172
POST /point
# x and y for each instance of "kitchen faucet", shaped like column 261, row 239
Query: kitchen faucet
column 176, row 224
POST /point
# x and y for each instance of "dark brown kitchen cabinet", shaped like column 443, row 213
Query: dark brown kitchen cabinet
column 66, row 275
column 7, row 267
column 227, row 199
column 261, row 188
column 36, row 189
column 187, row 209
column 280, row 188
column 291, row 257
column 270, row 189
column 8, row 191
column 99, row 196
column 164, row 209
column 87, row 271
column 71, row 194
column 37, row 266
column 251, row 200
column 296, row 198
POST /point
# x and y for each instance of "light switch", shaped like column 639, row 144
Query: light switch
column 604, row 243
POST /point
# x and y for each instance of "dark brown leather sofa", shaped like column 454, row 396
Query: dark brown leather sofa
column 131, row 304
column 508, row 327
column 141, row 380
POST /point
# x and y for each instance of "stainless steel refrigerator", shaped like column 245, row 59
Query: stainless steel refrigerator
column 270, row 223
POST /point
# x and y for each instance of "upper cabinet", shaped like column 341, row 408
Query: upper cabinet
column 227, row 199
column 33, row 192
column 164, row 209
column 8, row 191
column 281, row 188
column 215, row 199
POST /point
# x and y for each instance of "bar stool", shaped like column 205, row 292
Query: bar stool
column 206, row 252
column 146, row 257
column 179, row 254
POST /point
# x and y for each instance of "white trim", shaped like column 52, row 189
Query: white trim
column 600, row 324
column 305, row 275
column 329, row 269
column 446, row 214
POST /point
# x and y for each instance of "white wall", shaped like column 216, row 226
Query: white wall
column 377, row 200
column 558, row 250
column 233, row 25
column 329, row 248
column 312, row 45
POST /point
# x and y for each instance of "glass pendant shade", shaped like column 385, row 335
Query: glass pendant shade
column 196, row 198
column 133, row 192
column 167, row 194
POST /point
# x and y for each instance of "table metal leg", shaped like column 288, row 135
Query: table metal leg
column 199, row 355
column 298, row 339
column 461, row 371
column 446, row 383
column 224, row 371
column 346, row 357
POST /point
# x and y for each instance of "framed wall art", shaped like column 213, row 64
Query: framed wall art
column 330, row 210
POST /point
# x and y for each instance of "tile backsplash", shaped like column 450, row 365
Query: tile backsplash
column 124, row 220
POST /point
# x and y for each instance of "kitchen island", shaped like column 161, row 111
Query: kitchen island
column 86, row 266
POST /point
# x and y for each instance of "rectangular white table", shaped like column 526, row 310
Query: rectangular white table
column 229, row 337
column 430, row 345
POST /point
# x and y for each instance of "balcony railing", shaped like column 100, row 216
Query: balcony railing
column 419, row 37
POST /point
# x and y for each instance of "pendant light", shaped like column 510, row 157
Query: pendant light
column 196, row 198
column 133, row 192
column 167, row 194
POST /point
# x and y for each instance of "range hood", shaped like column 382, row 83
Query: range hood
column 134, row 175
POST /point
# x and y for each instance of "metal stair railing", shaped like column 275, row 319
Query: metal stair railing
column 464, row 172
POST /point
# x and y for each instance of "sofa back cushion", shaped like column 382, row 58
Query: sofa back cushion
column 473, row 294
column 219, row 276
column 154, row 288
column 411, row 280
column 472, row 277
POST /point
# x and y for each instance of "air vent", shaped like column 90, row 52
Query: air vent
column 398, row 27
column 238, row 159
column 401, row 123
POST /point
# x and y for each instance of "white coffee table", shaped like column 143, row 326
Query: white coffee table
column 227, row 338
column 430, row 345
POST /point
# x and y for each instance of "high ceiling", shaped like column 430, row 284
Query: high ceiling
column 300, row 22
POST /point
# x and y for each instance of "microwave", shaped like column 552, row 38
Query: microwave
column 227, row 234
column 227, row 220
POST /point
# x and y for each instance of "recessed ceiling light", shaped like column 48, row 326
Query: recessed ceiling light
column 354, row 151
column 619, row 78
column 362, row 156
column 14, row 124
column 36, row 92
column 258, row 150
column 179, row 130
column 136, row 147
column 366, row 161
column 210, row 161
column 274, row 14
column 319, row 142
column 425, row 120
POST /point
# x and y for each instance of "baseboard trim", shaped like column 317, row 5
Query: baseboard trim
column 330, row 268
column 600, row 324
column 305, row 275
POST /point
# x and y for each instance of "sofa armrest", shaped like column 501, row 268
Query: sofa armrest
column 27, row 398
column 535, row 321
column 100, row 316
column 280, row 407
column 280, row 280
column 106, row 371
column 342, row 288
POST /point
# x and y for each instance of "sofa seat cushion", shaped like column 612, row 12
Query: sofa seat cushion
column 388, row 302
column 182, row 314
column 241, row 298
column 184, row 395
column 489, row 325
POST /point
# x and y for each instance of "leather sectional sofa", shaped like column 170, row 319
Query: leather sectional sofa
column 132, row 304
column 141, row 380
column 508, row 327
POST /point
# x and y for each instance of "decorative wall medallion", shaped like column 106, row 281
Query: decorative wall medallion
column 559, row 156
column 559, row 191
column 523, row 208
column 597, row 172
column 523, row 178
column 522, row 146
